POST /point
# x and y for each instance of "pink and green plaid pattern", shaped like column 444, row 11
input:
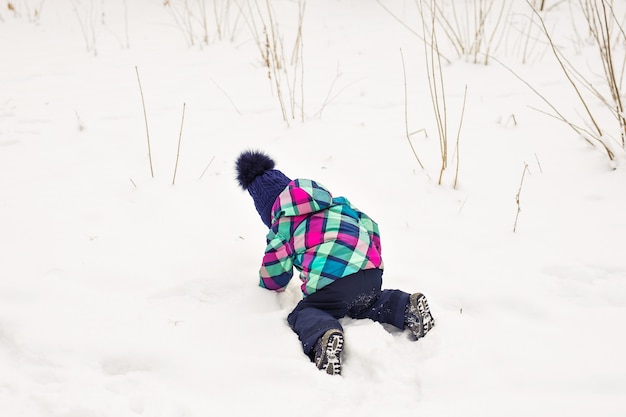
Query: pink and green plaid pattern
column 325, row 238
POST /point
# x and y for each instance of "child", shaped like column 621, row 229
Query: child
column 336, row 249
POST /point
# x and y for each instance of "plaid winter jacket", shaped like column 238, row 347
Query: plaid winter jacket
column 325, row 238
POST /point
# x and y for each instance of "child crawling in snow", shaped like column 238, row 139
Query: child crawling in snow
column 336, row 248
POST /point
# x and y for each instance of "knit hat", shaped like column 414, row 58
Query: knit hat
column 256, row 173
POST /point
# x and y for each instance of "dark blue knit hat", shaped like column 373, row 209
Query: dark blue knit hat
column 256, row 173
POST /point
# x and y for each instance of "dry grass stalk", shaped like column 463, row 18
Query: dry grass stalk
column 458, row 135
column 406, row 116
column 566, row 72
column 263, row 25
column 475, row 36
column 538, row 164
column 409, row 28
column 297, row 60
column 192, row 18
column 517, row 197
column 145, row 117
column 276, row 58
column 33, row 15
column 183, row 19
column 87, row 23
column 81, row 125
column 180, row 137
column 600, row 22
column 262, row 42
column 329, row 95
column 204, row 21
column 227, row 96
column 436, row 84
column 126, row 25
column 207, row 167
column 580, row 130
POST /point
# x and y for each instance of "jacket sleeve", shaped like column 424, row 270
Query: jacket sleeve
column 277, row 266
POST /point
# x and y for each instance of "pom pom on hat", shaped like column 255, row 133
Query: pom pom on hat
column 256, row 173
column 250, row 165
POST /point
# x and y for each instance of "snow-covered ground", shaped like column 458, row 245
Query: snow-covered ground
column 122, row 294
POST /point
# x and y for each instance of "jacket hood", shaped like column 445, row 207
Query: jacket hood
column 301, row 197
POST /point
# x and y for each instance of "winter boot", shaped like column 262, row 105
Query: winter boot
column 328, row 352
column 417, row 317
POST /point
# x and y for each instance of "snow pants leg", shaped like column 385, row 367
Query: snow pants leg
column 357, row 296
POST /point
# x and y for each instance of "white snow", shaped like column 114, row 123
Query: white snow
column 124, row 295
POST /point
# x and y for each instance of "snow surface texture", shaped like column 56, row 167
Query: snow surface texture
column 124, row 295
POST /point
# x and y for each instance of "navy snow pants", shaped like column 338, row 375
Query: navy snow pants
column 358, row 296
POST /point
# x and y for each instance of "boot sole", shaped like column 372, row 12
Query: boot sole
column 419, row 307
column 330, row 361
